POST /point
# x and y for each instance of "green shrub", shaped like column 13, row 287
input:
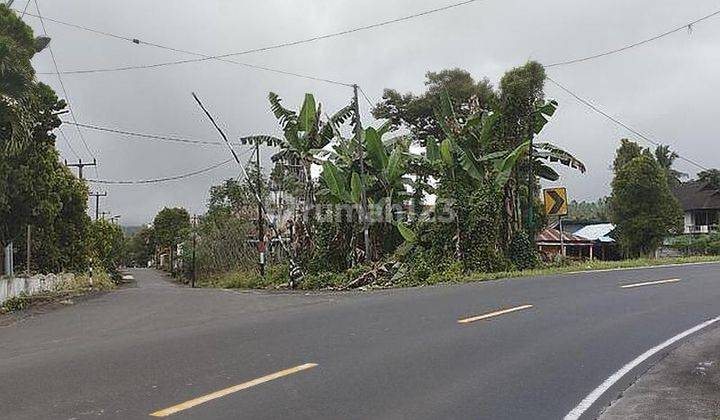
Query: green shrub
column 522, row 252
column 16, row 303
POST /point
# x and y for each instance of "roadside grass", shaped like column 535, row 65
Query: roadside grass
column 77, row 286
column 276, row 276
column 590, row 266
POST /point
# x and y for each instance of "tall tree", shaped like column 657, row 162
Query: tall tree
column 172, row 226
column 416, row 112
column 711, row 177
column 641, row 205
column 627, row 151
column 666, row 158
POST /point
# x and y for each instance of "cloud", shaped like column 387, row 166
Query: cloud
column 666, row 89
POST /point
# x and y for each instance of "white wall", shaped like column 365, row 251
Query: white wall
column 10, row 288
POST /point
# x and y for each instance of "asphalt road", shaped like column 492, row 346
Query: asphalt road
column 388, row 354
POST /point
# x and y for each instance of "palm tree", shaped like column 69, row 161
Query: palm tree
column 666, row 158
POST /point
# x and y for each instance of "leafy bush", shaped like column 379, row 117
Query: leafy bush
column 16, row 303
column 522, row 252
column 696, row 245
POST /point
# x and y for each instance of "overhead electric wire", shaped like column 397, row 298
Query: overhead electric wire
column 197, row 54
column 67, row 141
column 595, row 108
column 146, row 135
column 366, row 97
column 204, row 57
column 24, row 11
column 159, row 180
column 62, row 86
column 635, row 44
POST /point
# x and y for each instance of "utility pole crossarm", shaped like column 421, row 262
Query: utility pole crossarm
column 80, row 165
column 97, row 196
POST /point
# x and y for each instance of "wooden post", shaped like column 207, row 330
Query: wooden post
column 562, row 239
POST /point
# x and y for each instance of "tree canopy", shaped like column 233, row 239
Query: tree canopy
column 642, row 205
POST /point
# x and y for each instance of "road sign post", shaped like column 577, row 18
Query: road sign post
column 556, row 204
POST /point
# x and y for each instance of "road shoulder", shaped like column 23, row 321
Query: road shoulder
column 685, row 384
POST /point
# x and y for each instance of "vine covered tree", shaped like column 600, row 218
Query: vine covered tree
column 641, row 205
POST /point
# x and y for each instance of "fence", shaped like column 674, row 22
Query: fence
column 13, row 287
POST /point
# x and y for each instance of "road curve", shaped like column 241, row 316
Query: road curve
column 530, row 348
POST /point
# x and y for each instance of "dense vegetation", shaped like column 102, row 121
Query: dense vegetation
column 446, row 186
column 36, row 189
column 642, row 205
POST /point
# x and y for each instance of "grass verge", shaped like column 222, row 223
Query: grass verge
column 590, row 266
column 277, row 275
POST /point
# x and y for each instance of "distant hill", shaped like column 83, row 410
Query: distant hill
column 131, row 230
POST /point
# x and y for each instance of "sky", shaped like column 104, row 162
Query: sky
column 666, row 89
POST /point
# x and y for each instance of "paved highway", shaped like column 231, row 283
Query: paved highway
column 530, row 348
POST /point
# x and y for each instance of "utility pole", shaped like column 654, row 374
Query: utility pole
column 261, row 226
column 194, row 243
column 80, row 165
column 531, row 181
column 27, row 267
column 363, row 197
column 97, row 202
column 296, row 272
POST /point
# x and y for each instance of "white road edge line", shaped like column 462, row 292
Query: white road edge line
column 586, row 403
column 493, row 314
column 648, row 283
column 645, row 267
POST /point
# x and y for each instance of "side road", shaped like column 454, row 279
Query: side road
column 684, row 385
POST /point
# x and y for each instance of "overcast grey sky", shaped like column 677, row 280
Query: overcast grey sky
column 667, row 89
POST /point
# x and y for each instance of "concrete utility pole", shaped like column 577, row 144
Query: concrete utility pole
column 363, row 197
column 80, row 165
column 27, row 267
column 261, row 225
column 9, row 264
column 194, row 243
column 97, row 202
column 296, row 272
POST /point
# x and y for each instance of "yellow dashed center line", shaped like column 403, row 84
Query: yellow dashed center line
column 224, row 392
column 493, row 314
column 648, row 283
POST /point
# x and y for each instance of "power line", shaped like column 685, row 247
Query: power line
column 243, row 140
column 366, row 97
column 204, row 57
column 62, row 85
column 24, row 11
column 145, row 135
column 67, row 141
column 635, row 44
column 159, row 180
column 618, row 122
column 164, row 47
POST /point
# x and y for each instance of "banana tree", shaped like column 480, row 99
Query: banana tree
column 543, row 153
column 304, row 132
column 385, row 170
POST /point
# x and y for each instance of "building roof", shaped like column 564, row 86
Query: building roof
column 552, row 236
column 697, row 195
column 598, row 232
